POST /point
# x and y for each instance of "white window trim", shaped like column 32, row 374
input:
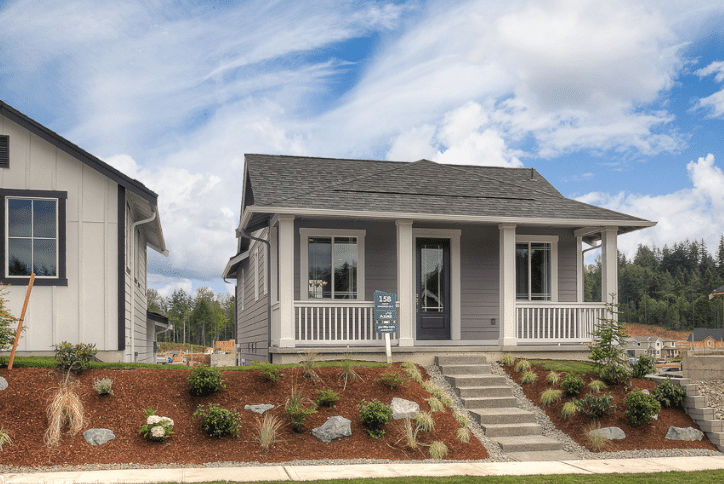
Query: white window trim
column 264, row 262
column 256, row 273
column 274, row 261
column 243, row 287
column 306, row 233
column 545, row 239
column 6, row 231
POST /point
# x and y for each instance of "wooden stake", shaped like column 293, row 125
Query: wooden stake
column 20, row 323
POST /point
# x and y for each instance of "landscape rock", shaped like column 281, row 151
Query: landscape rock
column 611, row 433
column 260, row 408
column 402, row 408
column 688, row 433
column 98, row 436
column 645, row 392
column 3, row 383
column 334, row 428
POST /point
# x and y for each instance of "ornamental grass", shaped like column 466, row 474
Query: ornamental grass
column 65, row 409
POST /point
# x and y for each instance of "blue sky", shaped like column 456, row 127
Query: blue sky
column 618, row 103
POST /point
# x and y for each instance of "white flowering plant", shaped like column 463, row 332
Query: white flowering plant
column 157, row 428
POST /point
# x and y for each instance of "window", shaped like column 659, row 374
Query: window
column 332, row 264
column 34, row 236
column 4, row 151
column 536, row 268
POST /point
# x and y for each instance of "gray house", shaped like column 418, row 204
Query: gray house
column 479, row 257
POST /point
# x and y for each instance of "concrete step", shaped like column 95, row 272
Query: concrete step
column 489, row 402
column 697, row 401
column 485, row 391
column 701, row 413
column 511, row 430
column 461, row 360
column 469, row 381
column 716, row 438
column 711, row 425
column 505, row 415
column 473, row 370
column 543, row 456
column 528, row 443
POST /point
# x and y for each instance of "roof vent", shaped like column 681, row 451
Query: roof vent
column 4, row 151
column 532, row 173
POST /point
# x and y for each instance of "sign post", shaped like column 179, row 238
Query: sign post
column 386, row 317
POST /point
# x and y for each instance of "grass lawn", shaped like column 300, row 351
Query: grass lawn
column 564, row 366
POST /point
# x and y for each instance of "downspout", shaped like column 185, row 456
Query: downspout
column 268, row 281
column 133, row 281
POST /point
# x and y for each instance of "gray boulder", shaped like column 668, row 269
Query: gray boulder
column 98, row 436
column 688, row 433
column 402, row 408
column 334, row 428
column 611, row 433
column 260, row 408
column 3, row 383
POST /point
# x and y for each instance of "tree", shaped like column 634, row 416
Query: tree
column 7, row 320
column 156, row 303
column 609, row 347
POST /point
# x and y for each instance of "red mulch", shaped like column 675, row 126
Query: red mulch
column 23, row 414
column 637, row 437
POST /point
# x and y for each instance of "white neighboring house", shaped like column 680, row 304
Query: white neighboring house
column 83, row 227
column 644, row 345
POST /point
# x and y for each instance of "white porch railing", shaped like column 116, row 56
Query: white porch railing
column 336, row 322
column 556, row 322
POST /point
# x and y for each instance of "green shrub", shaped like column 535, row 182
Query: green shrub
column 597, row 386
column 374, row 415
column 205, row 380
column 156, row 428
column 550, row 396
column 7, row 324
column 669, row 395
column 394, row 379
column 298, row 409
column 507, row 359
column 218, row 422
column 615, row 374
column 528, row 376
column 103, row 386
column 75, row 358
column 569, row 409
column 572, row 384
column 327, row 398
column 269, row 371
column 643, row 367
column 522, row 365
column 596, row 406
column 641, row 408
column 553, row 377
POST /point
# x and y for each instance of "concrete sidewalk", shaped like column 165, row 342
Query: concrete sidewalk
column 310, row 473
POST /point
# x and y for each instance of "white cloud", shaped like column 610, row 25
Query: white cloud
column 696, row 213
column 715, row 102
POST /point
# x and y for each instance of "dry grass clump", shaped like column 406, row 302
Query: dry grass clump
column 409, row 434
column 553, row 377
column 528, row 376
column 5, row 438
column 435, row 404
column 412, row 371
column 550, row 396
column 569, row 409
column 507, row 359
column 348, row 372
column 438, row 450
column 598, row 442
column 522, row 365
column 425, row 421
column 461, row 418
column 597, row 386
column 308, row 364
column 267, row 431
column 65, row 409
column 463, row 434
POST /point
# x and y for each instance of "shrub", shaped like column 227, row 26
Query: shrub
column 596, row 406
column 435, row 404
column 205, row 380
column 528, row 377
column 507, row 359
column 522, row 365
column 297, row 411
column 446, row 400
column 5, row 438
column 597, row 386
column 374, row 415
column 327, row 398
column 438, row 450
column 412, row 371
column 267, row 431
column 218, row 422
column 572, row 384
column 7, row 321
column 269, row 371
column 461, row 418
column 425, row 421
column 569, row 409
column 394, row 379
column 65, row 408
column 643, row 367
column 615, row 374
column 463, row 434
column 156, row 428
column 75, row 358
column 609, row 340
column 550, row 396
column 553, row 378
column 348, row 372
column 669, row 395
column 103, row 386
column 308, row 365
column 641, row 408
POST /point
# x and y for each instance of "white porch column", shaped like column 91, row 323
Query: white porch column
column 286, row 281
column 609, row 265
column 507, row 285
column 579, row 269
column 405, row 282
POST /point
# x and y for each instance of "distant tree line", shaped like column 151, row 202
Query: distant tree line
column 199, row 319
column 666, row 287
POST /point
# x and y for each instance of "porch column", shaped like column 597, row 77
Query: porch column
column 286, row 281
column 405, row 282
column 507, row 285
column 579, row 269
column 609, row 265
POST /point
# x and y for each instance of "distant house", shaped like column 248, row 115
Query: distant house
column 669, row 349
column 644, row 346
column 478, row 257
column 83, row 228
column 706, row 338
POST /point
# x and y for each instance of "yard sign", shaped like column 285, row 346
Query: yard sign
column 386, row 317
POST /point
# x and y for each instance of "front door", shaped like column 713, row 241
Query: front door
column 433, row 289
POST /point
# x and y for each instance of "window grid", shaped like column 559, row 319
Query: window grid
column 35, row 235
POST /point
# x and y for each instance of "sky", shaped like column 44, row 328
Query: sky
column 619, row 103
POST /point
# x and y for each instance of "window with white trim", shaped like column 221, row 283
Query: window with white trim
column 332, row 264
column 536, row 273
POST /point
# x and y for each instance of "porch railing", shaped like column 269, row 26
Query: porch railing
column 556, row 322
column 336, row 322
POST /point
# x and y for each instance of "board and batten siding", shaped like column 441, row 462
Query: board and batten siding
column 86, row 310
column 252, row 287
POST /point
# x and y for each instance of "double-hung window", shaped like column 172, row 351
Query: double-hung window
column 536, row 268
column 332, row 264
column 34, row 236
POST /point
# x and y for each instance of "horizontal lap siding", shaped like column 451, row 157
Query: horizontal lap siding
column 253, row 317
column 479, row 283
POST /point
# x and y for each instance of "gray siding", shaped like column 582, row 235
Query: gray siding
column 479, row 276
column 253, row 315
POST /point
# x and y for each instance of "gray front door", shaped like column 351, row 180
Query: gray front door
column 433, row 289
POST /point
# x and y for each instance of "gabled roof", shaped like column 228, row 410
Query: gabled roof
column 700, row 334
column 139, row 190
column 421, row 190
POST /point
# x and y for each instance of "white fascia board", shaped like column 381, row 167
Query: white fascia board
column 232, row 262
column 443, row 217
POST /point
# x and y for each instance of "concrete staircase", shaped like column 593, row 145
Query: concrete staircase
column 490, row 401
column 697, row 407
